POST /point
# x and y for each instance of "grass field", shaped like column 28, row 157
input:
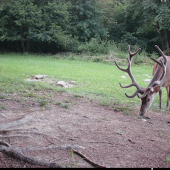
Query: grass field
column 97, row 81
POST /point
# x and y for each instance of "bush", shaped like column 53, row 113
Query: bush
column 94, row 46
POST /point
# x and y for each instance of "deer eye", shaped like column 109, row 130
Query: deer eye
column 148, row 100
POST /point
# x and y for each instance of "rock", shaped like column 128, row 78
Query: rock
column 33, row 80
column 147, row 80
column 69, row 85
column 73, row 82
column 61, row 83
column 123, row 77
column 40, row 76
column 65, row 84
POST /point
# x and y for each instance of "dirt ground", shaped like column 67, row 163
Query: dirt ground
column 104, row 136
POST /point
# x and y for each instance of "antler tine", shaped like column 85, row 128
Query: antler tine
column 159, row 81
column 128, row 85
column 136, row 93
column 128, row 70
column 156, row 61
column 163, row 65
column 164, row 71
column 120, row 67
column 161, row 52
column 130, row 54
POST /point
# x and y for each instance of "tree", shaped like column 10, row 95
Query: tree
column 153, row 16
column 113, row 18
column 86, row 20
column 31, row 21
column 20, row 21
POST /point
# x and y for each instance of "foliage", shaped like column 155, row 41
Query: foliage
column 30, row 20
column 113, row 18
column 86, row 20
column 94, row 46
column 151, row 21
column 51, row 26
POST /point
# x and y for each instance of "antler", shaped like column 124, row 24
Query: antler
column 163, row 64
column 160, row 80
column 128, row 70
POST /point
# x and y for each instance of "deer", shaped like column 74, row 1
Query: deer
column 161, row 78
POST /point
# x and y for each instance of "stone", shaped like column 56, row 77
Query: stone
column 65, row 84
column 40, row 76
column 147, row 80
column 73, row 82
column 69, row 85
column 61, row 83
column 123, row 77
column 33, row 80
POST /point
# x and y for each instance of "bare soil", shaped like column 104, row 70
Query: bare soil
column 102, row 135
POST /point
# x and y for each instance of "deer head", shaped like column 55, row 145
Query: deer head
column 147, row 95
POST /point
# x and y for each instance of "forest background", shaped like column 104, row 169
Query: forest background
column 94, row 26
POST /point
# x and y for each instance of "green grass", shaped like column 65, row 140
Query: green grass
column 97, row 81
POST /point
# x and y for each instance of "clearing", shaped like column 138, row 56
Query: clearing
column 98, row 135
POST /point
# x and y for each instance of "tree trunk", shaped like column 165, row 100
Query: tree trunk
column 22, row 40
column 160, row 36
column 23, row 46
column 27, row 45
column 17, row 46
column 167, row 43
column 161, row 39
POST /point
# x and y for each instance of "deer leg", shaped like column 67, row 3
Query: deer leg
column 160, row 98
column 168, row 96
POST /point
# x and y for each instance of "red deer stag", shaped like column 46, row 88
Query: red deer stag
column 161, row 78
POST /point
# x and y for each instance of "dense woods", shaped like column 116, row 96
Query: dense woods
column 51, row 26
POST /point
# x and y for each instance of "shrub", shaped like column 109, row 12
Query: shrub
column 94, row 46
